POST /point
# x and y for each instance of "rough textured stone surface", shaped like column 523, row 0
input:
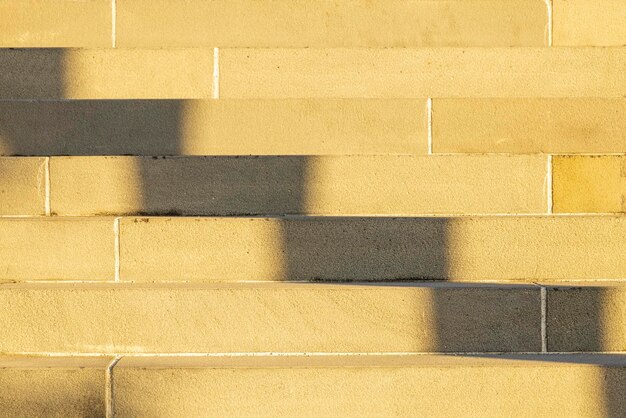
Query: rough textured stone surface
column 310, row 23
column 54, row 248
column 556, row 386
column 589, row 184
column 56, row 23
column 52, row 386
column 268, row 317
column 589, row 23
column 464, row 248
column 587, row 317
column 106, row 73
column 213, row 127
column 529, row 125
column 22, row 185
column 328, row 185
column 424, row 72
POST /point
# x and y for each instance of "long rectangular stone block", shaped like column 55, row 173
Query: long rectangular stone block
column 376, row 248
column 53, row 386
column 425, row 72
column 53, row 248
column 270, row 185
column 372, row 386
column 106, row 73
column 57, row 23
column 267, row 317
column 213, row 127
column 552, row 126
column 22, row 185
column 314, row 23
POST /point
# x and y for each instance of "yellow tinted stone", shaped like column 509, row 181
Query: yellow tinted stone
column 22, row 185
column 314, row 23
column 106, row 73
column 590, row 22
column 53, row 386
column 213, row 127
column 304, row 127
column 53, row 248
column 589, row 184
column 447, row 72
column 372, row 386
column 330, row 185
column 381, row 248
column 267, row 317
column 55, row 23
column 529, row 125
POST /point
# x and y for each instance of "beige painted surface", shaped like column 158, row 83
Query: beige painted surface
column 589, row 184
column 426, row 72
column 587, row 317
column 562, row 125
column 396, row 386
column 267, row 317
column 333, row 185
column 106, row 73
column 52, row 387
column 213, row 127
column 326, row 23
column 55, row 23
column 589, row 22
column 22, row 185
column 464, row 248
column 53, row 248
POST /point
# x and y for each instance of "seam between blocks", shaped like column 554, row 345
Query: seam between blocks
column 109, row 406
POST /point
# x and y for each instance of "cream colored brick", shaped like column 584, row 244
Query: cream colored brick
column 448, row 72
column 314, row 23
column 333, row 185
column 372, row 386
column 55, row 23
column 53, row 248
column 52, row 386
column 213, row 127
column 590, row 22
column 587, row 317
column 589, row 184
column 22, row 185
column 106, row 73
column 267, row 317
column 529, row 125
column 464, row 248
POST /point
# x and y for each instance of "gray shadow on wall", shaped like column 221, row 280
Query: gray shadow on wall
column 43, row 122
column 29, row 75
column 90, row 127
column 222, row 186
column 320, row 249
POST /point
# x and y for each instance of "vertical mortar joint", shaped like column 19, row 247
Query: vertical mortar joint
column 544, row 321
column 46, row 176
column 109, row 407
column 550, row 24
column 113, row 23
column 549, row 185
